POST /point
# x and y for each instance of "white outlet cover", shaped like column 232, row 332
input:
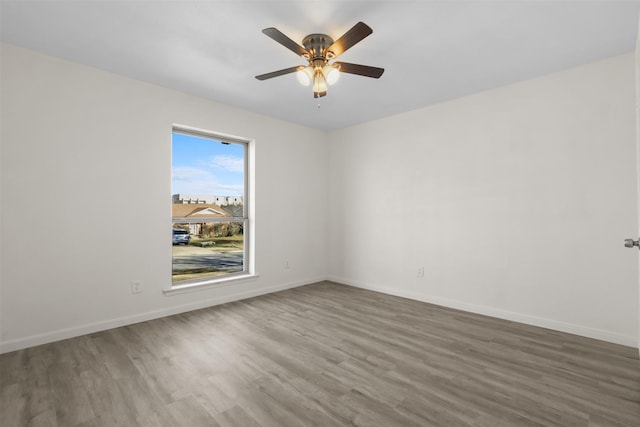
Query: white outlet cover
column 136, row 287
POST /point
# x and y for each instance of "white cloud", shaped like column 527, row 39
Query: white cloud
column 190, row 180
column 228, row 163
column 190, row 174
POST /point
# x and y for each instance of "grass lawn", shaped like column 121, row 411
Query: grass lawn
column 200, row 274
column 221, row 244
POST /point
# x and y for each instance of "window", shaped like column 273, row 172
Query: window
column 210, row 215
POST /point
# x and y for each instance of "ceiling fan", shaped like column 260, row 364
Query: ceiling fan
column 318, row 50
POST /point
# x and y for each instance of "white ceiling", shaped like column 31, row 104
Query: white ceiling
column 432, row 51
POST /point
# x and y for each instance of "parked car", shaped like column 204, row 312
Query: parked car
column 181, row 236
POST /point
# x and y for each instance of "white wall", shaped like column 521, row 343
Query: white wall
column 637, row 57
column 515, row 201
column 68, row 260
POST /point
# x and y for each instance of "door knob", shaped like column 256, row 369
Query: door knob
column 629, row 243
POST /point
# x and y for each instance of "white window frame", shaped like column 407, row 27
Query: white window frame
column 247, row 218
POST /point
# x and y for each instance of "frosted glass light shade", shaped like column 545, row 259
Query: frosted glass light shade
column 305, row 76
column 319, row 83
column 331, row 74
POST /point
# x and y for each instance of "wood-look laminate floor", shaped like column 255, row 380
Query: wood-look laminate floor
column 323, row 355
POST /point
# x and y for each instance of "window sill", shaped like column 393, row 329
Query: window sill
column 209, row 284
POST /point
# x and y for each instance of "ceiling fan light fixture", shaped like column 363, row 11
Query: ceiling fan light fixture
column 331, row 74
column 305, row 76
column 318, row 49
column 319, row 83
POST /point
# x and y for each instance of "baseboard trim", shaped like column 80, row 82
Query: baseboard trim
column 556, row 325
column 62, row 334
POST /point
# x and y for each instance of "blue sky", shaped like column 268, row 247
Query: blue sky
column 205, row 166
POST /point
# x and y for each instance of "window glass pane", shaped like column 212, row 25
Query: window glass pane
column 210, row 250
column 208, row 172
column 208, row 218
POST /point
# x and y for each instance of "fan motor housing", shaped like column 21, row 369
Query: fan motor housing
column 316, row 44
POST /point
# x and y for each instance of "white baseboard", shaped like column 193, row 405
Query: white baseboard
column 33, row 340
column 62, row 334
column 585, row 331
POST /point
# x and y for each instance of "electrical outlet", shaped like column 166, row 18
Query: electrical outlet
column 421, row 272
column 136, row 287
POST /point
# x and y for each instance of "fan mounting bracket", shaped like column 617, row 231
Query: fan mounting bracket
column 317, row 45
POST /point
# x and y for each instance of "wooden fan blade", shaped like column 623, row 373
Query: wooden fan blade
column 279, row 72
column 361, row 70
column 285, row 41
column 350, row 38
